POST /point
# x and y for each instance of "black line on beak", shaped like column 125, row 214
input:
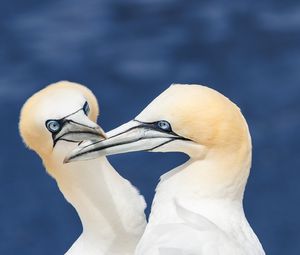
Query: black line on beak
column 155, row 147
column 68, row 140
column 143, row 125
column 79, row 124
column 104, row 147
column 62, row 122
column 123, row 143
column 72, row 132
column 148, row 126
column 129, row 129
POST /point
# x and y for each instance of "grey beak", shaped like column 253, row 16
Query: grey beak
column 132, row 136
column 77, row 128
column 78, row 132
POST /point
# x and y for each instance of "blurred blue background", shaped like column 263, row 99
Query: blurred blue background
column 128, row 52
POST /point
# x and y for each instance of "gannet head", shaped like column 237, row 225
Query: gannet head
column 58, row 117
column 192, row 119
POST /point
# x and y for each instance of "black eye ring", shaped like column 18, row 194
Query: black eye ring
column 53, row 126
column 164, row 125
column 86, row 108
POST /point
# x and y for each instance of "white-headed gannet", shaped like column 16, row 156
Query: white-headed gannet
column 52, row 122
column 197, row 208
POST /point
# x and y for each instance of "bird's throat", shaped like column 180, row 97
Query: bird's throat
column 100, row 196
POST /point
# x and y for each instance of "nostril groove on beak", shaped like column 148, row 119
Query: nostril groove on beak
column 80, row 124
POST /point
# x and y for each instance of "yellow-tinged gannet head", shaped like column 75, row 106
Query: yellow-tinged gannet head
column 58, row 117
column 193, row 119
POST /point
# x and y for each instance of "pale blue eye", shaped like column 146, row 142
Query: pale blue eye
column 53, row 126
column 164, row 125
column 86, row 108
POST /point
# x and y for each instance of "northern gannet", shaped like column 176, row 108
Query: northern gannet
column 111, row 210
column 197, row 208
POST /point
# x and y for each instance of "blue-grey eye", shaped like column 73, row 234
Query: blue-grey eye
column 53, row 126
column 164, row 125
column 86, row 108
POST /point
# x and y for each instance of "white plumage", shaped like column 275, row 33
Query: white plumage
column 197, row 208
column 111, row 210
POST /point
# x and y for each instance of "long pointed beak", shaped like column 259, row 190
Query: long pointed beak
column 77, row 128
column 132, row 136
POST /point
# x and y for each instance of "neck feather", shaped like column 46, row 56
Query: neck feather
column 110, row 208
column 203, row 186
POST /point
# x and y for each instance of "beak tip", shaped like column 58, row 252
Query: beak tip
column 101, row 133
column 66, row 160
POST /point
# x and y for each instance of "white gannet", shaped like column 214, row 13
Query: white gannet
column 111, row 210
column 197, row 208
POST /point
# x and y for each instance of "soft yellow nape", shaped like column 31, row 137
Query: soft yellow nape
column 215, row 125
column 112, row 219
column 200, row 114
column 202, row 199
column 31, row 125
